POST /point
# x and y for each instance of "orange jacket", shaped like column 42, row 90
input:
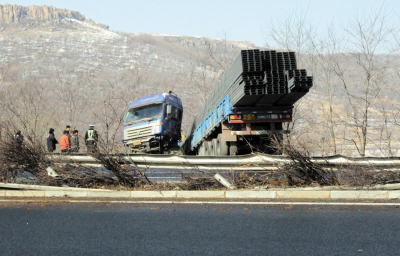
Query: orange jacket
column 64, row 141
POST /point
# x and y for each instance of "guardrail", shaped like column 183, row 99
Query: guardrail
column 253, row 162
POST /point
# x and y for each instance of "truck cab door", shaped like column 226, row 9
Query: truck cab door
column 174, row 120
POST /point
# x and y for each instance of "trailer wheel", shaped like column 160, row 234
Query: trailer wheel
column 233, row 148
column 222, row 146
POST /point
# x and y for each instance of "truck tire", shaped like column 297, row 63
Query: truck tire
column 214, row 147
column 223, row 149
column 233, row 148
column 175, row 150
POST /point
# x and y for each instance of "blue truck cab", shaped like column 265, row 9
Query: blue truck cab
column 152, row 124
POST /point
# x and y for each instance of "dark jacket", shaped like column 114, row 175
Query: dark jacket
column 18, row 138
column 51, row 142
column 74, row 141
column 95, row 136
column 69, row 137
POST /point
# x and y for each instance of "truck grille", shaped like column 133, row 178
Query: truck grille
column 138, row 133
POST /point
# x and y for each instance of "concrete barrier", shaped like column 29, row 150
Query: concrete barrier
column 238, row 194
column 153, row 194
column 394, row 195
column 24, row 193
column 200, row 194
column 362, row 194
column 65, row 193
column 250, row 194
column 303, row 194
column 44, row 188
column 108, row 193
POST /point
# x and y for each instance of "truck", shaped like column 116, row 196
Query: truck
column 152, row 124
column 250, row 106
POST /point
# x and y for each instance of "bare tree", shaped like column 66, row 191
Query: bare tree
column 367, row 37
column 349, row 66
column 112, row 102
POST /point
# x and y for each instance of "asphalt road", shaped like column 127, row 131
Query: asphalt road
column 181, row 229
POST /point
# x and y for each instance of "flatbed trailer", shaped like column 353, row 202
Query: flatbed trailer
column 250, row 106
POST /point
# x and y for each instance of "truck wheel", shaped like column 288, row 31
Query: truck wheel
column 175, row 151
column 222, row 146
column 214, row 147
column 233, row 148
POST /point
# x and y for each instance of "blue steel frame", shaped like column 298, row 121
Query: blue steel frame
column 208, row 125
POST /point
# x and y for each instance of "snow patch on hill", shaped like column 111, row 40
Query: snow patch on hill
column 93, row 30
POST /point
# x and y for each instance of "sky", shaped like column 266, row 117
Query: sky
column 239, row 20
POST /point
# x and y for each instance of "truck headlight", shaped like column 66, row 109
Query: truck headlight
column 157, row 129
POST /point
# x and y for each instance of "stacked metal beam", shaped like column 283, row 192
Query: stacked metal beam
column 298, row 80
column 278, row 77
column 259, row 78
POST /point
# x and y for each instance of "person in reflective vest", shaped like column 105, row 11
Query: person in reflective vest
column 91, row 138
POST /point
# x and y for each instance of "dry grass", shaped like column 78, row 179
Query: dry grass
column 301, row 170
column 31, row 157
column 18, row 158
column 365, row 176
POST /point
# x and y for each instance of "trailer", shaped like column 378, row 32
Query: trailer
column 249, row 107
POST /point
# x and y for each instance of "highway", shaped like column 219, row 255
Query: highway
column 62, row 228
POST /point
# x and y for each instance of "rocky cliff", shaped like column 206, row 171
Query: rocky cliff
column 15, row 13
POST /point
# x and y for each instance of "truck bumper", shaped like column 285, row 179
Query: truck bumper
column 259, row 132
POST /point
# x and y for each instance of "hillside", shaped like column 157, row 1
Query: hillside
column 59, row 68
column 71, row 58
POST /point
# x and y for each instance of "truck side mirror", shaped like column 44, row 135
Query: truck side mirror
column 169, row 110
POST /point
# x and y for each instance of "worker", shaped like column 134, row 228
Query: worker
column 18, row 138
column 91, row 138
column 64, row 142
column 51, row 141
column 74, row 141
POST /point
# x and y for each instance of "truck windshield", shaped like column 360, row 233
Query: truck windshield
column 149, row 112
